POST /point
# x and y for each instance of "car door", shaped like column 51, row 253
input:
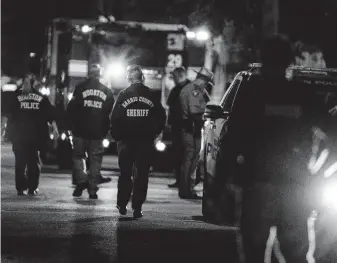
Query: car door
column 214, row 127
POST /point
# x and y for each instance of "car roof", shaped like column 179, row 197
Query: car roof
column 325, row 77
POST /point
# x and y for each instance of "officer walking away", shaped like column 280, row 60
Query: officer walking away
column 193, row 99
column 88, row 115
column 30, row 114
column 137, row 119
column 179, row 76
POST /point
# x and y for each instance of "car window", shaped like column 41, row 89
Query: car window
column 229, row 96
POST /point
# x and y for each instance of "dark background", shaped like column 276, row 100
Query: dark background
column 23, row 22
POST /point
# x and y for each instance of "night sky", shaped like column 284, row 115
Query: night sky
column 23, row 24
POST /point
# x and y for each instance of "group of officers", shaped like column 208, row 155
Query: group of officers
column 134, row 120
column 187, row 102
column 93, row 112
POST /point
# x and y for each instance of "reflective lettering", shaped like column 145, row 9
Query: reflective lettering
column 94, row 92
column 128, row 101
column 137, row 112
column 93, row 104
column 131, row 100
column 30, row 96
column 146, row 101
column 29, row 105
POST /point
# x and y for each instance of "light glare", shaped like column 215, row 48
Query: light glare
column 115, row 70
column 202, row 35
column 160, row 146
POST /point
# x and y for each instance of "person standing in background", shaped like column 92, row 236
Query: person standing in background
column 179, row 76
column 193, row 102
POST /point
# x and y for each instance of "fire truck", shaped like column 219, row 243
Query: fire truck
column 74, row 44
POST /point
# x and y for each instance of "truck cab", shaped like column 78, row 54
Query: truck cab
column 74, row 44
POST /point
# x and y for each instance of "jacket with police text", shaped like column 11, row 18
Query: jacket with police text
column 137, row 114
column 89, row 109
column 30, row 114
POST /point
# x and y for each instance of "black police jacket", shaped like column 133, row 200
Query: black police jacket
column 89, row 109
column 137, row 114
column 173, row 101
column 29, row 116
column 271, row 126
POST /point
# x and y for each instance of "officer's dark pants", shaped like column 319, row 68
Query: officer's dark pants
column 274, row 223
column 192, row 146
column 95, row 151
column 178, row 152
column 134, row 159
column 26, row 157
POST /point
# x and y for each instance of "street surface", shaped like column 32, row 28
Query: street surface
column 55, row 227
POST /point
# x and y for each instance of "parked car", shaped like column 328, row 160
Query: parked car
column 219, row 195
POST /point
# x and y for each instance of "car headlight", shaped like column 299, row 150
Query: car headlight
column 330, row 195
column 160, row 146
column 105, row 143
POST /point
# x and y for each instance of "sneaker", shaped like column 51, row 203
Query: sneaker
column 122, row 210
column 137, row 213
column 93, row 196
column 33, row 192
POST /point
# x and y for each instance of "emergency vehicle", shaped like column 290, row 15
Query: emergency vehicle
column 74, row 44
column 220, row 207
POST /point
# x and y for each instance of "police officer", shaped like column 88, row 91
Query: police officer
column 137, row 119
column 30, row 114
column 179, row 76
column 193, row 101
column 88, row 114
column 269, row 162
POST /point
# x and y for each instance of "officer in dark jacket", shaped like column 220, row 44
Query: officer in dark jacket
column 270, row 162
column 179, row 76
column 88, row 114
column 30, row 114
column 137, row 119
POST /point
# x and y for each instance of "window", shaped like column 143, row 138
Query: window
column 229, row 96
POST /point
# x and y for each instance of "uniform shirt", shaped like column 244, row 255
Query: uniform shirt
column 30, row 114
column 89, row 110
column 137, row 114
column 193, row 102
column 173, row 101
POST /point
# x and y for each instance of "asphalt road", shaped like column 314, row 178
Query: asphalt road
column 55, row 227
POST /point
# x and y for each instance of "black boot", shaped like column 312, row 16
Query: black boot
column 103, row 180
column 79, row 189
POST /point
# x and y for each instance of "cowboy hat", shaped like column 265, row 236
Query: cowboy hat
column 206, row 73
